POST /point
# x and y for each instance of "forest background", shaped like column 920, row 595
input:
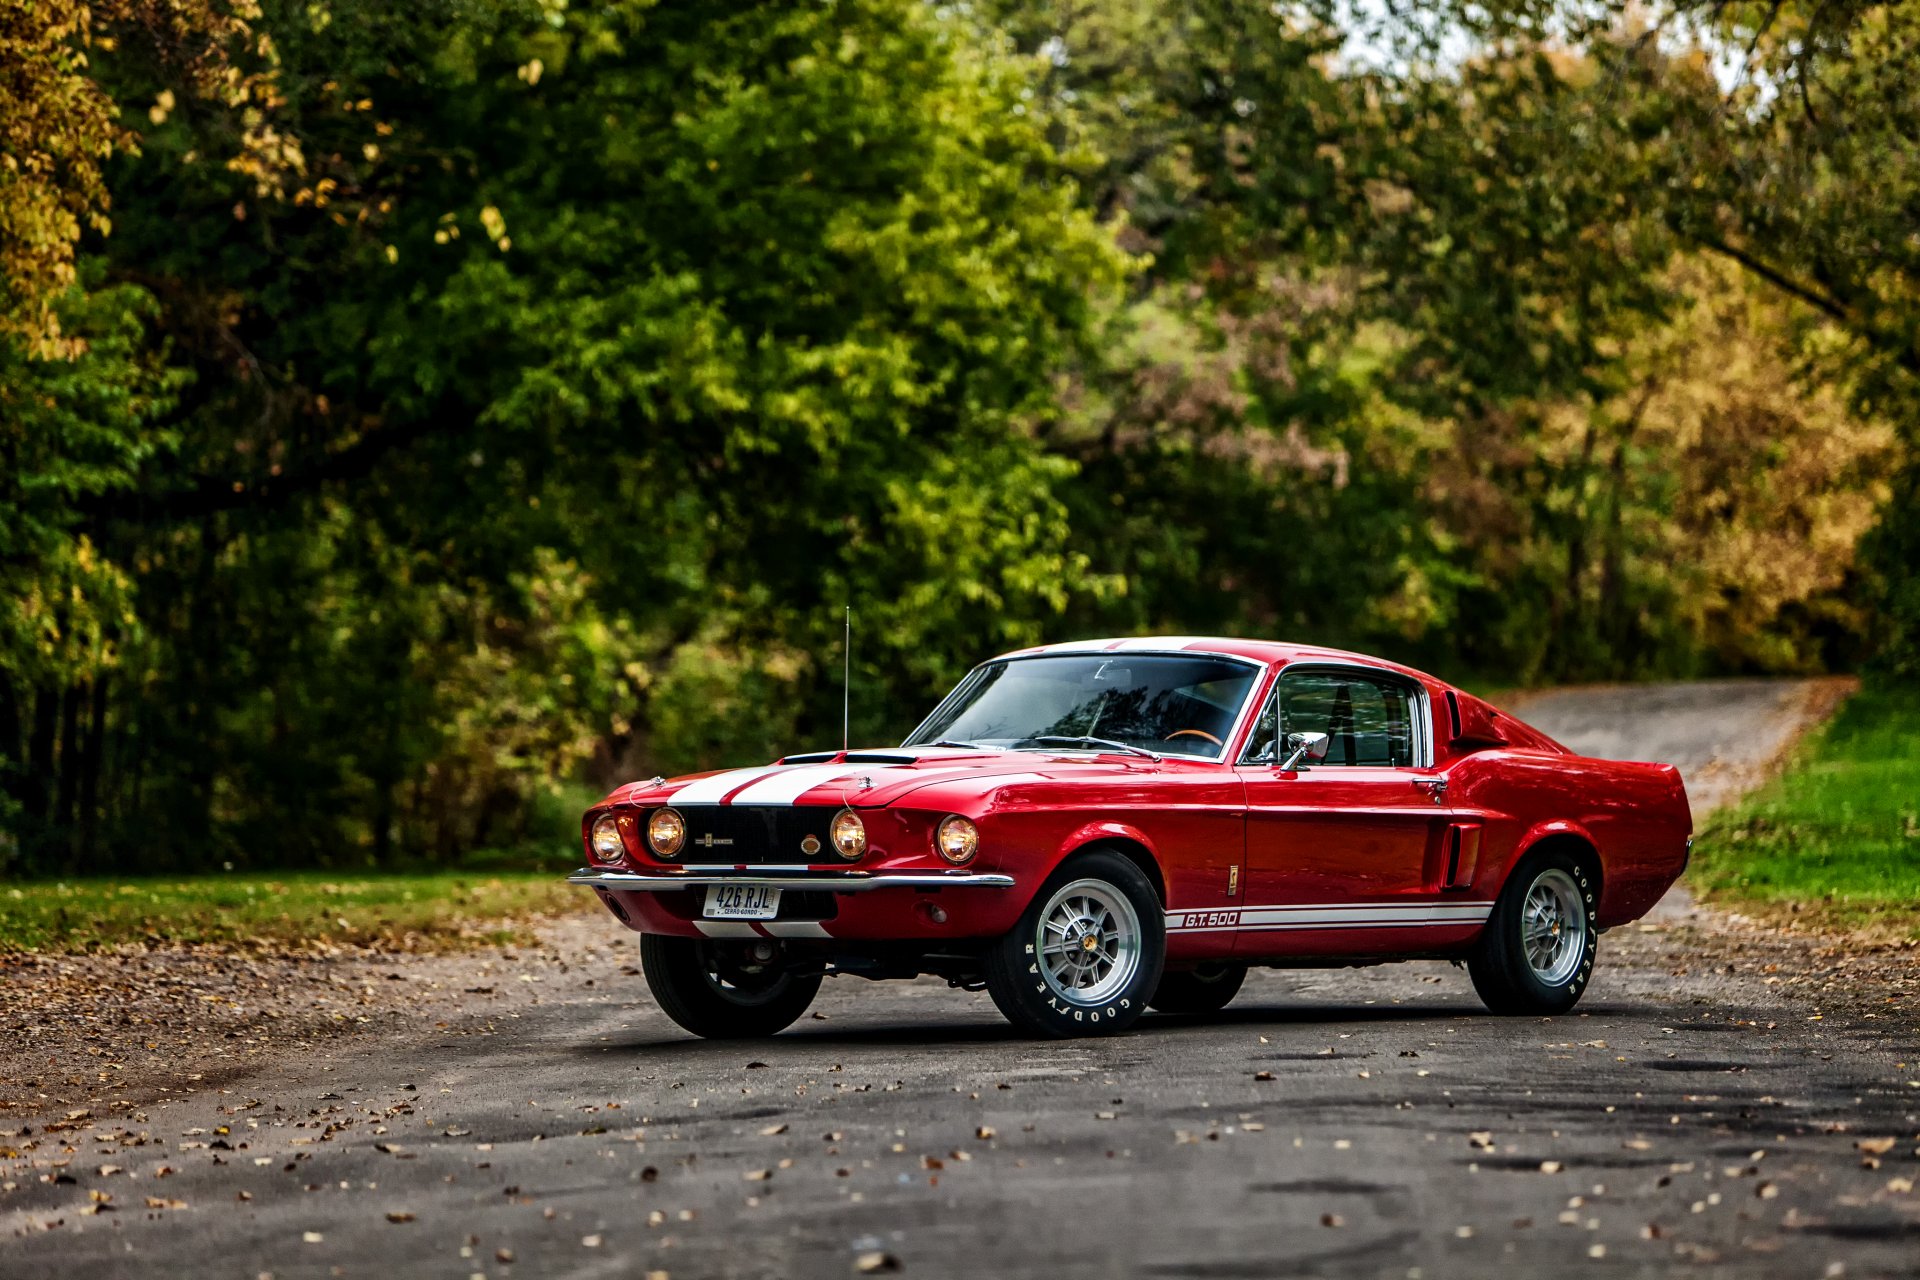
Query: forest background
column 414, row 417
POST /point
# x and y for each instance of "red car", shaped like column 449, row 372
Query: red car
column 1090, row 830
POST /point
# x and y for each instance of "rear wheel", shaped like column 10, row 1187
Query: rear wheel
column 1086, row 953
column 1536, row 956
column 725, row 990
column 1205, row 989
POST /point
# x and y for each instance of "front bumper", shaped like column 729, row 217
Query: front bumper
column 779, row 877
column 821, row 902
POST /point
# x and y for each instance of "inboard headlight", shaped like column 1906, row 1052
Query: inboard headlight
column 848, row 834
column 666, row 832
column 605, row 839
column 957, row 839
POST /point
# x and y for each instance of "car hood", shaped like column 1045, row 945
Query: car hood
column 870, row 779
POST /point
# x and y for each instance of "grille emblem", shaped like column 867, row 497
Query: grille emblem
column 709, row 840
column 809, row 845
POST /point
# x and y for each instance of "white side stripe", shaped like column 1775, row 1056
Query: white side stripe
column 1358, row 915
column 712, row 790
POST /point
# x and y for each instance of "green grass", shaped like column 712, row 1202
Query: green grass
column 1837, row 836
column 436, row 911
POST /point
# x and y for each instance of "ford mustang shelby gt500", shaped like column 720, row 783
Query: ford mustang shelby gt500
column 1089, row 830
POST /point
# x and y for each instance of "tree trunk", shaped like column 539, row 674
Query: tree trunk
column 91, row 757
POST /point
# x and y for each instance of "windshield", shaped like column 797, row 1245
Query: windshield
column 1164, row 703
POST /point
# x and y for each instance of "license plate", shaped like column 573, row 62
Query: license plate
column 742, row 902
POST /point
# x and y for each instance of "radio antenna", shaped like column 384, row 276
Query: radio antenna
column 846, row 686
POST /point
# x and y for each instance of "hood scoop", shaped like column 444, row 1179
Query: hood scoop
column 852, row 757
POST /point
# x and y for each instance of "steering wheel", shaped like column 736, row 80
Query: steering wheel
column 1198, row 733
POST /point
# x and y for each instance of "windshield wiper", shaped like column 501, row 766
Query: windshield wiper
column 949, row 742
column 1084, row 741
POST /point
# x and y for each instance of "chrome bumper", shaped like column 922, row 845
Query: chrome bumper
column 777, row 877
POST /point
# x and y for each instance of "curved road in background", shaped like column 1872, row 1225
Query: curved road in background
column 1695, row 1118
column 1725, row 735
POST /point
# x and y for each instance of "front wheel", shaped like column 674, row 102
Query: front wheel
column 725, row 990
column 1536, row 956
column 1087, row 952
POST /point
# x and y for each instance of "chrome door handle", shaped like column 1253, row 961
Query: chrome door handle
column 1436, row 788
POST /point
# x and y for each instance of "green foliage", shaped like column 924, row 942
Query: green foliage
column 485, row 400
column 1837, row 837
column 411, row 912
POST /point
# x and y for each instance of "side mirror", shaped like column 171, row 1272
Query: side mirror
column 1306, row 746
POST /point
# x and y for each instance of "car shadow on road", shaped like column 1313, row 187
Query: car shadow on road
column 1250, row 1017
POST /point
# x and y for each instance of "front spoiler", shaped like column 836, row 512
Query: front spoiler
column 801, row 877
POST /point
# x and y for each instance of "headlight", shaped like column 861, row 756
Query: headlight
column 666, row 832
column 849, row 834
column 607, row 845
column 957, row 839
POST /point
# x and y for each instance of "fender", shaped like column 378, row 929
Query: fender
column 1106, row 829
column 1533, row 835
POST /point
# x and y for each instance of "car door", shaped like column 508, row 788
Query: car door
column 1341, row 854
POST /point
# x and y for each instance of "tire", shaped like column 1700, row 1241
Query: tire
column 1096, row 894
column 720, row 991
column 1549, row 978
column 1206, row 989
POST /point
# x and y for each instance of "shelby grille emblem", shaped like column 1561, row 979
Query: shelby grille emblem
column 809, row 845
column 709, row 840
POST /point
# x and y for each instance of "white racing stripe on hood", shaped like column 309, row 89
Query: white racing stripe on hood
column 713, row 790
column 784, row 786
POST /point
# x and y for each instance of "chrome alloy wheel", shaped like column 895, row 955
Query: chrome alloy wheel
column 1089, row 942
column 1553, row 927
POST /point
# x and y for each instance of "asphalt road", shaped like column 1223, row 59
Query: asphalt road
column 1691, row 1119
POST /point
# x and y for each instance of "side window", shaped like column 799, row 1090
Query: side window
column 1370, row 722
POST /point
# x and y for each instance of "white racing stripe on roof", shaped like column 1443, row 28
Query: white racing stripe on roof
column 1160, row 642
column 1130, row 644
column 713, row 790
column 789, row 784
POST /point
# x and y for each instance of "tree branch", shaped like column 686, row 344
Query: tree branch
column 1822, row 302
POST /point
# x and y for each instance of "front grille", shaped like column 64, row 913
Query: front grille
column 759, row 834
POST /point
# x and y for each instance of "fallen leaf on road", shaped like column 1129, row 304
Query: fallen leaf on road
column 161, row 1202
column 311, row 1237
column 875, row 1263
column 1481, row 1140
column 984, row 1132
column 1874, row 1146
column 399, row 1215
column 1332, row 1220
column 756, row 1175
column 773, row 1130
column 590, row 1242
column 1550, row 1166
column 1263, row 1075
